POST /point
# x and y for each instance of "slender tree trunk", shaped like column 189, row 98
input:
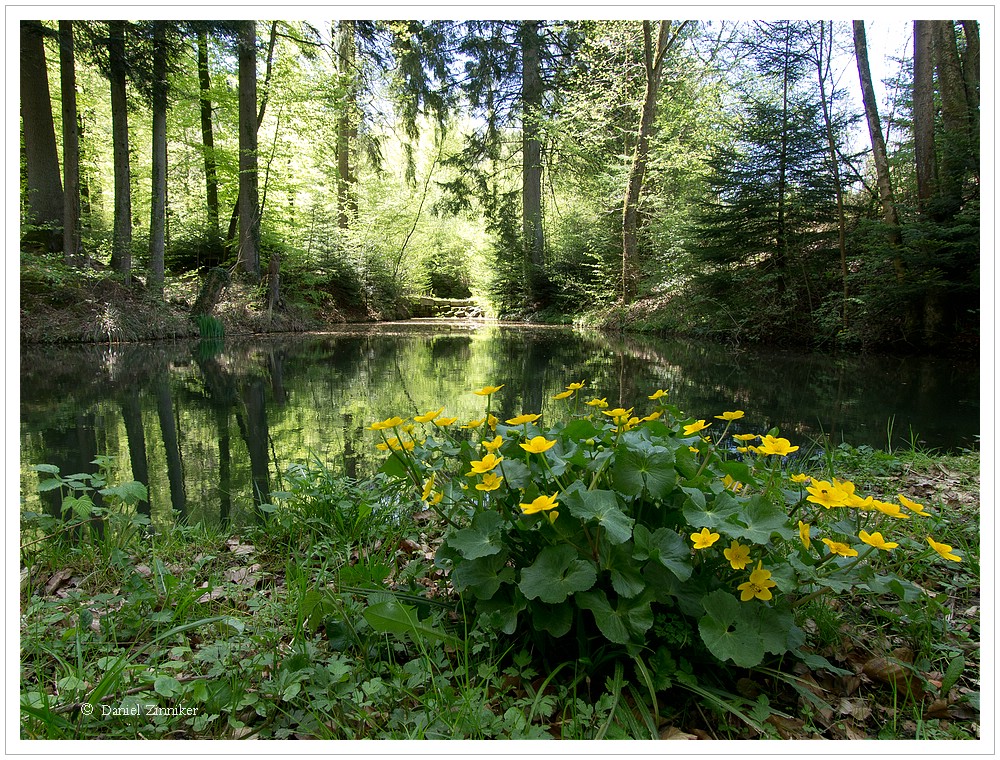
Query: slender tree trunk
column 956, row 135
column 249, row 254
column 879, row 154
column 653, row 59
column 71, row 144
column 782, row 233
column 824, row 54
column 207, row 138
column 121, row 245
column 532, row 90
column 347, row 128
column 45, row 192
column 158, row 209
column 923, row 111
column 970, row 73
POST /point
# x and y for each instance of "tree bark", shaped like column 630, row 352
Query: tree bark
column 923, row 111
column 45, row 192
column 347, row 128
column 970, row 72
column 121, row 244
column 532, row 90
column 248, row 257
column 207, row 138
column 879, row 153
column 956, row 135
column 71, row 144
column 653, row 59
column 158, row 208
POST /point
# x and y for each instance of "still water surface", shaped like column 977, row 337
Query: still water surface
column 211, row 423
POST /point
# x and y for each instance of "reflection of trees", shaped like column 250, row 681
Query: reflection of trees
column 135, row 432
column 171, row 445
column 72, row 448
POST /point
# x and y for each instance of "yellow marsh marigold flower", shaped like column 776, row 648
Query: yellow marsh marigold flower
column 488, row 390
column 652, row 416
column 522, row 419
column 493, row 445
column 445, row 421
column 800, row 478
column 487, row 463
column 742, row 449
column 540, row 504
column 838, row 548
column 876, row 540
column 394, row 444
column 473, row 424
column 537, row 445
column 746, row 437
column 563, row 394
column 826, row 494
column 492, row 421
column 730, row 416
column 890, row 509
column 428, row 416
column 435, row 498
column 759, row 586
column 428, row 487
column 552, row 514
column 619, row 412
column 599, row 403
column 386, row 424
column 490, row 482
column 704, row 539
column 781, row 447
column 738, row 555
column 658, row 394
column 693, row 449
column 944, row 550
column 732, row 484
column 913, row 506
column 804, row 534
column 694, row 427
column 576, row 386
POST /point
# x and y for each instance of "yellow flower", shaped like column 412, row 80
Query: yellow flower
column 633, row 422
column 738, row 555
column 493, row 445
column 491, row 482
column 473, row 424
column 693, row 449
column 386, row 424
column 485, row 464
column 800, row 478
column 428, row 416
column 394, row 444
column 537, row 445
column 730, row 416
column 704, row 539
column 944, row 550
column 488, row 390
column 428, row 487
column 913, row 506
column 521, row 419
column 838, row 548
column 777, row 446
column 619, row 412
column 876, row 540
column 492, row 421
column 435, row 498
column 552, row 515
column 732, row 484
column 742, row 449
column 599, row 403
column 445, row 421
column 804, row 534
column 759, row 586
column 652, row 416
column 563, row 394
column 576, row 386
column 890, row 509
column 540, row 504
column 694, row 427
column 745, row 437
column 658, row 394
column 826, row 494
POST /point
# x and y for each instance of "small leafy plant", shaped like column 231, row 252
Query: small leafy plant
column 593, row 527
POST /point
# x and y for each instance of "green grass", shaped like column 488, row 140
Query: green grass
column 270, row 633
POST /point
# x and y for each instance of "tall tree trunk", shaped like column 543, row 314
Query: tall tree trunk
column 347, row 127
column 653, row 59
column 533, row 236
column 923, row 111
column 45, row 193
column 956, row 136
column 121, row 244
column 248, row 257
column 823, row 57
column 207, row 138
column 71, row 144
column 158, row 209
column 879, row 154
column 970, row 73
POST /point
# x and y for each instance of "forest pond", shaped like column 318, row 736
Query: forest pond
column 215, row 421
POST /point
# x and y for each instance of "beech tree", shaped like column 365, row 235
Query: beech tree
column 248, row 256
column 71, row 144
column 121, row 245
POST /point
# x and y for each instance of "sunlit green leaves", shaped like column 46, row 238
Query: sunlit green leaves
column 666, row 547
column 556, row 573
column 482, row 539
column 600, row 506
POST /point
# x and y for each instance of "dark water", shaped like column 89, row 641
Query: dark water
column 214, row 423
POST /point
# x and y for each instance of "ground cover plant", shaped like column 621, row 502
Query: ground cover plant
column 619, row 573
